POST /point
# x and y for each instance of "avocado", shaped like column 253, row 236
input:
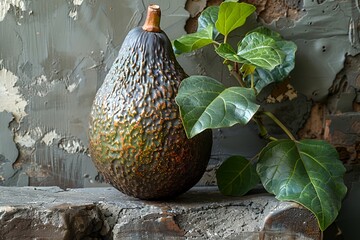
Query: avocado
column 137, row 140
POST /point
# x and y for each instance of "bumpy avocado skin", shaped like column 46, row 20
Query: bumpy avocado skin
column 137, row 140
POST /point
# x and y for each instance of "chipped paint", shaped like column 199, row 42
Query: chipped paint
column 323, row 40
column 281, row 92
column 10, row 98
column 29, row 138
column 284, row 13
column 71, row 87
column 42, row 85
column 6, row 4
column 72, row 146
column 25, row 140
column 58, row 56
column 50, row 137
column 8, row 150
column 73, row 14
column 78, row 2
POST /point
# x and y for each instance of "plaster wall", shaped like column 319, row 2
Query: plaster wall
column 53, row 57
column 55, row 54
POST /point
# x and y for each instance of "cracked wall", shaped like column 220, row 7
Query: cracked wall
column 55, row 54
column 53, row 57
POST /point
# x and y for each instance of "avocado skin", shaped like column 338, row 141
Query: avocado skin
column 137, row 141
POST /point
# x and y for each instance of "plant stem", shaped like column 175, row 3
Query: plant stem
column 234, row 71
column 253, row 84
column 252, row 81
column 225, row 38
column 280, row 124
column 216, row 43
column 254, row 158
column 263, row 132
column 238, row 77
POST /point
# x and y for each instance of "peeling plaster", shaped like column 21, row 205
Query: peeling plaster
column 49, row 137
column 281, row 92
column 25, row 140
column 283, row 12
column 8, row 150
column 323, row 39
column 42, row 86
column 72, row 146
column 73, row 14
column 71, row 87
column 6, row 4
column 10, row 98
column 74, row 11
column 29, row 138
column 78, row 2
column 57, row 63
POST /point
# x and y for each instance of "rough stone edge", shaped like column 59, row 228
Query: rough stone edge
column 104, row 213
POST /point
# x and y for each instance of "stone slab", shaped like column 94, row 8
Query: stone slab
column 105, row 213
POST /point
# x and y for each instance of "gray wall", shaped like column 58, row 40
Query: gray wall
column 55, row 54
column 53, row 57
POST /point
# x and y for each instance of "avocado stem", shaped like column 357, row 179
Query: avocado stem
column 152, row 22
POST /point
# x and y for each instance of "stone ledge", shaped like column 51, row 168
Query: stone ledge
column 105, row 213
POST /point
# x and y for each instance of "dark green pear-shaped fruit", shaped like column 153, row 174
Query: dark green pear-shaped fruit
column 137, row 140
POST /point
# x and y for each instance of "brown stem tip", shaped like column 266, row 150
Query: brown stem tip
column 152, row 22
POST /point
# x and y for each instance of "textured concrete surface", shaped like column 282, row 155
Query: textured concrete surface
column 105, row 213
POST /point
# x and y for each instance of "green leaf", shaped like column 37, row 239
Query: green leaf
column 236, row 176
column 228, row 53
column 268, row 32
column 308, row 172
column 208, row 17
column 261, row 51
column 206, row 103
column 247, row 69
column 193, row 41
column 263, row 77
column 232, row 15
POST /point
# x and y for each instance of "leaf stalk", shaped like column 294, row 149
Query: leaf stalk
column 225, row 38
column 234, row 71
column 237, row 76
column 263, row 132
column 280, row 124
column 252, row 81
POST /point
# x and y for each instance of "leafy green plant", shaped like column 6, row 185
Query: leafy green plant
column 304, row 171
